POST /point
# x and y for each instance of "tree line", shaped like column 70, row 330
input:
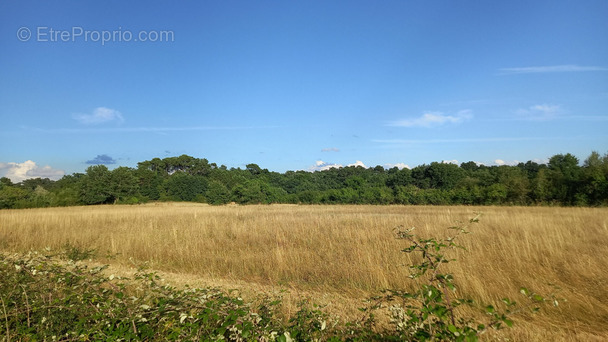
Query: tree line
column 562, row 181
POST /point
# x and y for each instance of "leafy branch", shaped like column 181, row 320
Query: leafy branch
column 428, row 313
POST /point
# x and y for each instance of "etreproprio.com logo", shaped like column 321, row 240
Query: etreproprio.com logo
column 79, row 34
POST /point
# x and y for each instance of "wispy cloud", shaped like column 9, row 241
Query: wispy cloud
column 550, row 69
column 541, row 112
column 102, row 159
column 585, row 117
column 18, row 172
column 330, row 149
column 460, row 140
column 433, row 119
column 322, row 166
column 99, row 115
column 138, row 129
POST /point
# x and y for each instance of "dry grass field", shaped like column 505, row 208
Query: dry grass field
column 339, row 255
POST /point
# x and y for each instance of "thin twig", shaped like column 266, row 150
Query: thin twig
column 27, row 307
column 8, row 337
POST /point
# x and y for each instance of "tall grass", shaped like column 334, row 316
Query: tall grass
column 348, row 250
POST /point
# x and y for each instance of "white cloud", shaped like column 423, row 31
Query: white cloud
column 540, row 112
column 550, row 68
column 100, row 115
column 358, row 163
column 431, row 119
column 322, row 166
column 18, row 172
column 330, row 149
column 501, row 162
column 541, row 161
column 453, row 161
column 400, row 166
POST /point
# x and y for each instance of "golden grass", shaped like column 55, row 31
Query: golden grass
column 341, row 254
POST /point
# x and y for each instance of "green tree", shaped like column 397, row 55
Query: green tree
column 594, row 177
column 541, row 187
column 419, row 177
column 516, row 183
column 11, row 196
column 217, row 193
column 564, row 176
column 149, row 183
column 254, row 169
column 184, row 187
column 398, row 177
column 469, row 166
column 67, row 190
column 468, row 191
column 33, row 183
column 496, row 194
column 40, row 197
column 355, row 182
column 4, row 181
column 94, row 185
column 123, row 184
column 183, row 163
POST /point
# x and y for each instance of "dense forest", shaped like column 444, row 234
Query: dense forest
column 562, row 181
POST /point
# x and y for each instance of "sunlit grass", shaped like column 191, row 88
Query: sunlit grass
column 348, row 251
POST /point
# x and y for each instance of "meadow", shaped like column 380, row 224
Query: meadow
column 339, row 255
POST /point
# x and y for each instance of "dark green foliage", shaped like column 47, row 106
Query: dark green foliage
column 183, row 163
column 564, row 173
column 11, row 196
column 45, row 300
column 444, row 176
column 94, row 186
column 181, row 186
column 217, row 193
column 398, row 177
column 562, row 182
column 5, row 182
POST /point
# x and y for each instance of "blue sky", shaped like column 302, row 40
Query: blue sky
column 299, row 85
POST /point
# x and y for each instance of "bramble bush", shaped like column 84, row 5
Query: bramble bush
column 43, row 299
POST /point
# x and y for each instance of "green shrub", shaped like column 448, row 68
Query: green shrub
column 43, row 299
